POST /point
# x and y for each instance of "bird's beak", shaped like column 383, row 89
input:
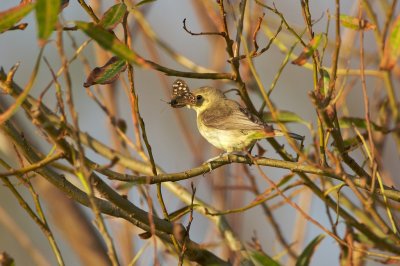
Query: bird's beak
column 180, row 101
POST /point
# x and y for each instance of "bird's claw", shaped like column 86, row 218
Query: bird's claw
column 209, row 166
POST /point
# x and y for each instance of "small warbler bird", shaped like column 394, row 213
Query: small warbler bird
column 221, row 121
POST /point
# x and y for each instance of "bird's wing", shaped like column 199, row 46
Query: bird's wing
column 229, row 115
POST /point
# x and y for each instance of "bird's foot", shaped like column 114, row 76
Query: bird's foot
column 223, row 155
column 252, row 158
column 209, row 166
column 209, row 161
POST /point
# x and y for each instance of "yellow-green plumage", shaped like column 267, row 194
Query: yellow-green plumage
column 221, row 121
column 225, row 124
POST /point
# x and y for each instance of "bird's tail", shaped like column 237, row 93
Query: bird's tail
column 292, row 135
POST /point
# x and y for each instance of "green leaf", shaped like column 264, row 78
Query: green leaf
column 144, row 2
column 334, row 188
column 181, row 212
column 113, row 16
column 347, row 122
column 46, row 17
column 356, row 23
column 284, row 117
column 285, row 179
column 305, row 257
column 107, row 40
column 309, row 50
column 11, row 16
column 262, row 259
column 391, row 51
column 326, row 81
column 107, row 73
column 351, row 144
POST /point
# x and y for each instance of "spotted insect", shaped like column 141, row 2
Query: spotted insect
column 181, row 95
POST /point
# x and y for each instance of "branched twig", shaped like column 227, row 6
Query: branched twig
column 282, row 17
column 255, row 52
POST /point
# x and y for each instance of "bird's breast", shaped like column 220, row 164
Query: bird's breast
column 227, row 140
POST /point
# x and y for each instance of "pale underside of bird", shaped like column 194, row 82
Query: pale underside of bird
column 221, row 121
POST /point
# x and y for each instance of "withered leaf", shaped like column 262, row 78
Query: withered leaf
column 308, row 50
column 107, row 73
column 356, row 23
column 145, row 235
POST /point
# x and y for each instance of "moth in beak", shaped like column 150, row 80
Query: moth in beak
column 181, row 95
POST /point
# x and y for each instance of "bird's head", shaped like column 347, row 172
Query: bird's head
column 200, row 99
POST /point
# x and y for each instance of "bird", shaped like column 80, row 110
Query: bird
column 221, row 121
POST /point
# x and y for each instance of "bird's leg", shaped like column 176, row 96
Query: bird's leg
column 223, row 154
column 215, row 158
column 261, row 151
column 251, row 148
column 208, row 162
column 251, row 158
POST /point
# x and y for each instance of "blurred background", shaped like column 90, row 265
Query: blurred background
column 175, row 147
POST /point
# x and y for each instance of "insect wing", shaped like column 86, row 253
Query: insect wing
column 179, row 88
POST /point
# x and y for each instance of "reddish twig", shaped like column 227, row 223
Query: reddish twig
column 257, row 29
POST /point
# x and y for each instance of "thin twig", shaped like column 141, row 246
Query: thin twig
column 201, row 33
column 257, row 29
column 186, row 236
column 47, row 160
column 366, row 104
column 239, row 27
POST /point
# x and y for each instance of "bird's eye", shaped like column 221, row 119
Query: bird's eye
column 199, row 97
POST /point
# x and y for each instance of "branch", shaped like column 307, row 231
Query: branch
column 208, row 167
